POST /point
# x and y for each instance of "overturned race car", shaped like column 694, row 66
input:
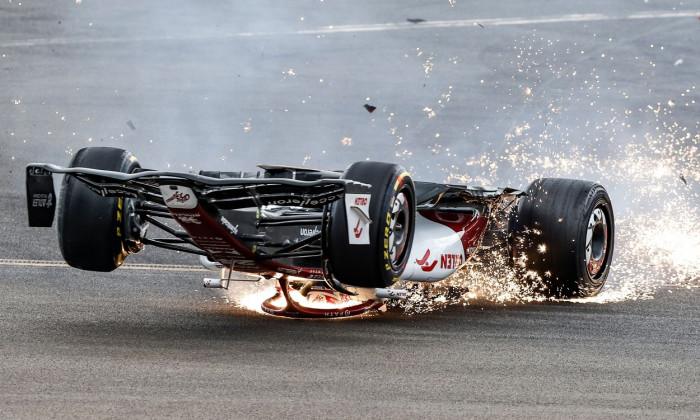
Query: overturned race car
column 336, row 242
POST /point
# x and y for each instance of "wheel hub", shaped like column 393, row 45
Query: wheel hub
column 400, row 213
column 596, row 241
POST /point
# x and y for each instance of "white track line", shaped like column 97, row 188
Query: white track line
column 61, row 264
column 591, row 17
column 478, row 23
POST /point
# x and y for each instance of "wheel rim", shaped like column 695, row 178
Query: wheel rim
column 399, row 228
column 596, row 242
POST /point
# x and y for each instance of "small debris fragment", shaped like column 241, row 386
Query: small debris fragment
column 370, row 108
column 131, row 125
column 683, row 179
column 678, row 62
column 480, row 25
column 415, row 20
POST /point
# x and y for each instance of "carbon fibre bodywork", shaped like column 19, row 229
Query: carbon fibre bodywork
column 272, row 222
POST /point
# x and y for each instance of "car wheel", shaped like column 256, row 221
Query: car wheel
column 91, row 228
column 564, row 232
column 375, row 257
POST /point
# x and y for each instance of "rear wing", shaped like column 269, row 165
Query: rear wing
column 223, row 193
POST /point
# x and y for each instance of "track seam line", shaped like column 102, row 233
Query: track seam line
column 62, row 264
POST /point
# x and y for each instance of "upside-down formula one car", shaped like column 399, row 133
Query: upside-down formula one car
column 336, row 242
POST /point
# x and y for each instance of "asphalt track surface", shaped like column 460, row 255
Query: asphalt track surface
column 206, row 85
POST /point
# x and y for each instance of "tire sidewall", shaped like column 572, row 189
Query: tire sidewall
column 92, row 228
column 590, row 285
column 369, row 265
column 555, row 213
column 391, row 271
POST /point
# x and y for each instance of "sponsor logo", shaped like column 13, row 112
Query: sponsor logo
column 447, row 262
column 424, row 264
column 42, row 200
column 335, row 314
column 361, row 201
column 111, row 191
column 36, row 171
column 398, row 293
column 304, row 202
column 178, row 197
column 191, row 218
column 323, row 297
column 233, row 229
column 450, row 261
column 243, row 263
column 358, row 229
column 356, row 207
column 309, row 232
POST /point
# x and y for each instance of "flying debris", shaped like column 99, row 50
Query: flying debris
column 415, row 20
column 683, row 179
column 131, row 125
column 370, row 108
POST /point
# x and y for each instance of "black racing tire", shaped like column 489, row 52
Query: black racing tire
column 91, row 230
column 392, row 209
column 564, row 232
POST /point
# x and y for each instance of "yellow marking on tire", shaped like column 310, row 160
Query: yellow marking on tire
column 399, row 179
column 119, row 214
